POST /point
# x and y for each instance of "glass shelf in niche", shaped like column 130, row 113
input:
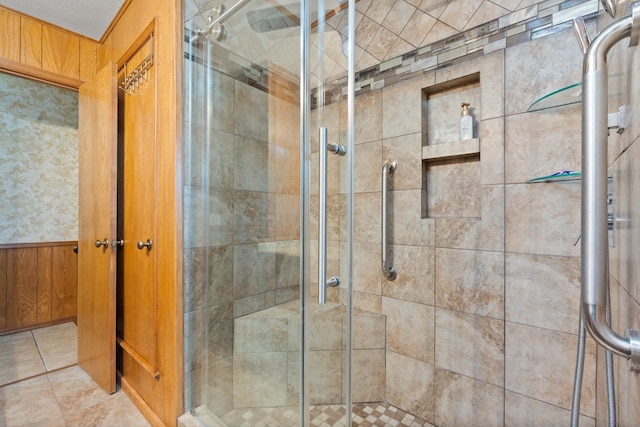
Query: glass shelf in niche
column 568, row 95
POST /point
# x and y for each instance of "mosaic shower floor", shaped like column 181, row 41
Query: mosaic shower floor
column 365, row 415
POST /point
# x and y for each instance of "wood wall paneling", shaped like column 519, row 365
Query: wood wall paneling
column 3, row 289
column 38, row 284
column 22, row 289
column 9, row 32
column 64, row 282
column 60, row 52
column 30, row 42
column 88, row 59
column 43, row 305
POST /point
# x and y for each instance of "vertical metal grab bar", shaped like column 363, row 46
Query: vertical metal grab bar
column 322, row 218
column 388, row 169
column 594, row 246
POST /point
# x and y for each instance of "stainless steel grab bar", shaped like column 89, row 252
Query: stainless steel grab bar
column 323, row 284
column 595, row 239
column 387, row 169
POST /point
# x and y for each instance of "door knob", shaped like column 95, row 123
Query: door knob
column 116, row 243
column 148, row 244
column 105, row 243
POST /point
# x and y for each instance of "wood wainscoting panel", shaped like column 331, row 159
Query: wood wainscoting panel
column 64, row 282
column 9, row 35
column 22, row 289
column 38, row 284
column 30, row 42
column 3, row 289
column 43, row 307
column 60, row 52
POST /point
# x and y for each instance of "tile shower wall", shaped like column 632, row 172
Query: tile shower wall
column 624, row 160
column 241, row 201
column 482, row 320
column 38, row 162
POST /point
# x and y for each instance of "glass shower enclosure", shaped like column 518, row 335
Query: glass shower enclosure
column 268, row 195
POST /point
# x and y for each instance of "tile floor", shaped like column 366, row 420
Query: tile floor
column 42, row 385
column 364, row 415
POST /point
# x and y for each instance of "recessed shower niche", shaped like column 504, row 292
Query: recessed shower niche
column 451, row 164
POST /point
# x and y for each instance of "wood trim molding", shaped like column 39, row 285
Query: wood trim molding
column 38, row 74
column 37, row 245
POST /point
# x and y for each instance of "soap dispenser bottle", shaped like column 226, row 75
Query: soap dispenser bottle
column 466, row 122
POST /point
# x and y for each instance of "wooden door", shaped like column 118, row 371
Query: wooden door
column 137, row 286
column 97, row 224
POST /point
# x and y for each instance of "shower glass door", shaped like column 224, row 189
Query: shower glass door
column 259, row 347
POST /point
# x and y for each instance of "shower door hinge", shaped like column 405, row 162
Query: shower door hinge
column 619, row 120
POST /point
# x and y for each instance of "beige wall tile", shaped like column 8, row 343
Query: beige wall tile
column 405, row 223
column 367, row 167
column 417, row 27
column 453, row 189
column 470, row 282
column 220, row 262
column 398, row 16
column 367, row 274
column 194, row 278
column 366, row 213
column 534, row 69
column 410, row 329
column 260, row 335
column 220, row 330
column 491, row 69
column 251, row 165
column 543, row 291
column 368, row 302
column 369, row 331
column 484, row 234
column 491, row 133
column 458, row 13
column 543, row 219
column 462, row 401
column 410, row 385
column 253, row 217
column 368, row 117
column 195, row 345
column 220, row 156
column 402, row 106
column 407, row 151
column 222, row 214
column 259, row 379
column 254, row 269
column 368, row 373
column 219, row 386
column 470, row 345
column 325, row 381
column 415, row 267
column 443, row 112
column 540, row 364
column 521, row 410
column 254, row 102
column 542, row 142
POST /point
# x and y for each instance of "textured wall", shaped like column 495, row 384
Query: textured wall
column 38, row 162
column 482, row 320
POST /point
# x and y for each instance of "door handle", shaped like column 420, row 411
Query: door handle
column 323, row 283
column 148, row 244
column 105, row 243
column 116, row 243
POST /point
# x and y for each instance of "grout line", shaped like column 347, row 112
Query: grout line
column 39, row 352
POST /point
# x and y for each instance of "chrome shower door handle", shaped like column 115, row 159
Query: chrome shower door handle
column 323, row 284
column 388, row 168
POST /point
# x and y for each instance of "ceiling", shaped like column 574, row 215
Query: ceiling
column 90, row 18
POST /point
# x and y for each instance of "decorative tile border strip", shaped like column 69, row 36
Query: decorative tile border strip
column 533, row 22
